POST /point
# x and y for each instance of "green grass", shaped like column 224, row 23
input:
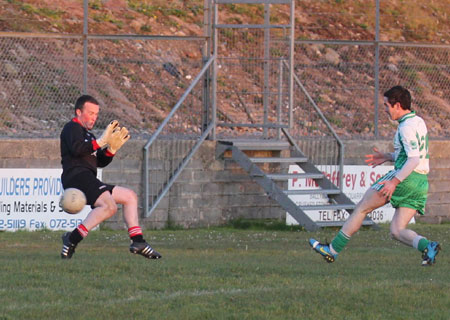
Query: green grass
column 257, row 272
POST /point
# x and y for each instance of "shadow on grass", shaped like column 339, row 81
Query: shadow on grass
column 262, row 224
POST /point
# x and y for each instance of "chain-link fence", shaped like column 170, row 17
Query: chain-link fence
column 40, row 78
column 357, row 20
column 138, row 80
column 340, row 76
column 252, row 82
column 135, row 81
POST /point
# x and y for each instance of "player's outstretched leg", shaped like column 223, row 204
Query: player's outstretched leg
column 68, row 248
column 323, row 250
column 430, row 253
column 144, row 249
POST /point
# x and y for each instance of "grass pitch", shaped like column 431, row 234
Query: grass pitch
column 222, row 273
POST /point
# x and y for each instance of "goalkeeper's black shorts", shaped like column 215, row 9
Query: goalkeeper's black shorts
column 87, row 182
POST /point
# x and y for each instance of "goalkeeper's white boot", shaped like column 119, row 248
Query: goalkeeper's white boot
column 144, row 249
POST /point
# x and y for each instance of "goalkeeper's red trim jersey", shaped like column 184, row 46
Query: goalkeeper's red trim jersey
column 80, row 151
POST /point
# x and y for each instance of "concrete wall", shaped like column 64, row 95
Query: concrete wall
column 212, row 191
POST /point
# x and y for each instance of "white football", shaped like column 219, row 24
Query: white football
column 73, row 200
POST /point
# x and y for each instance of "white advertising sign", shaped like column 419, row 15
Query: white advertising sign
column 356, row 181
column 29, row 200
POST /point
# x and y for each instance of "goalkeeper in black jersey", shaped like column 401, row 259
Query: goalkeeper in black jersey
column 81, row 155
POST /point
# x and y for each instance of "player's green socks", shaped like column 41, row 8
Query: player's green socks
column 420, row 243
column 340, row 241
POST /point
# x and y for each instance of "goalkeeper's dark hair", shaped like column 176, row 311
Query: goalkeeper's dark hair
column 400, row 95
column 82, row 100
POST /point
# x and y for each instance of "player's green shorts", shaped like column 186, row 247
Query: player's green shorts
column 410, row 193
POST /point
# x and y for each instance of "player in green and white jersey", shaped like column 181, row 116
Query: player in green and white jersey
column 405, row 186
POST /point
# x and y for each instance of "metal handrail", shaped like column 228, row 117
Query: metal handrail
column 179, row 103
column 158, row 132
column 327, row 124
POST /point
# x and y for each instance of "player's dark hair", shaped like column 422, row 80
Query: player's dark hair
column 82, row 100
column 400, row 95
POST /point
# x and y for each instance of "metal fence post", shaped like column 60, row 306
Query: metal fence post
column 214, row 73
column 291, row 65
column 85, row 45
column 280, row 98
column 266, row 87
column 377, row 65
column 207, row 32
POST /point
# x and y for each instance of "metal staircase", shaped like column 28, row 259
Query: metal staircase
column 267, row 61
column 274, row 183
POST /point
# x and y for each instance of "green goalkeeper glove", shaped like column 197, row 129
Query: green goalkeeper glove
column 117, row 139
column 106, row 135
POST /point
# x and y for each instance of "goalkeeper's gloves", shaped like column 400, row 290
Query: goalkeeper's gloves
column 117, row 139
column 106, row 135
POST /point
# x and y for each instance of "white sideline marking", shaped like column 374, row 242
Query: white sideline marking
column 152, row 296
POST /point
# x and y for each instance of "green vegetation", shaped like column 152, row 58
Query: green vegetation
column 413, row 21
column 363, row 25
column 336, row 121
column 146, row 28
column 180, row 13
column 222, row 273
column 142, row 7
column 95, row 4
column 107, row 17
column 153, row 10
column 31, row 9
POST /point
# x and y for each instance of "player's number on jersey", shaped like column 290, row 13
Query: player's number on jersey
column 423, row 144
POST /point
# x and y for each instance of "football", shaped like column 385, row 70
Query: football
column 73, row 200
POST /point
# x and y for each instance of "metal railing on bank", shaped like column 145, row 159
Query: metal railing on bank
column 176, row 140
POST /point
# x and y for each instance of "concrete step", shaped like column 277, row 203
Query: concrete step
column 328, row 207
column 263, row 145
column 287, row 176
column 313, row 191
column 278, row 160
column 341, row 223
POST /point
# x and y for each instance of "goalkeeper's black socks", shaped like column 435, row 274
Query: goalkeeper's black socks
column 135, row 234
column 78, row 234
